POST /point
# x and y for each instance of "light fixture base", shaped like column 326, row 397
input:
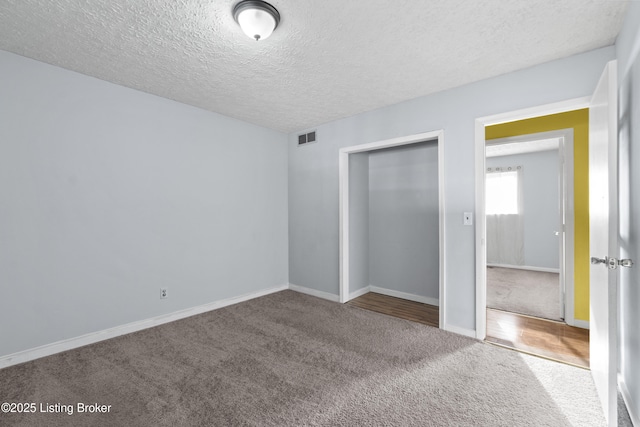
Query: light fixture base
column 260, row 19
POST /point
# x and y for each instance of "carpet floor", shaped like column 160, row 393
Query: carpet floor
column 534, row 293
column 289, row 359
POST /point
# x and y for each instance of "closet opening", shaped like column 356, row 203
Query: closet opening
column 392, row 227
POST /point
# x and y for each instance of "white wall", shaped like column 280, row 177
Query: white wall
column 627, row 48
column 108, row 194
column 313, row 172
column 403, row 219
column 540, row 175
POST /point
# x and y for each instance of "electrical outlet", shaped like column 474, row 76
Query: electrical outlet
column 164, row 293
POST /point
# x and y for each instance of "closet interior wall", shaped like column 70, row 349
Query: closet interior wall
column 394, row 217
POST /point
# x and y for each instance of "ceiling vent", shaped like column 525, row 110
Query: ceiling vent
column 307, row 138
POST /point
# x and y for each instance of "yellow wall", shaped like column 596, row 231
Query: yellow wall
column 579, row 121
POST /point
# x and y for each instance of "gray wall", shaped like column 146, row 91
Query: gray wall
column 403, row 219
column 358, row 221
column 540, row 176
column 313, row 172
column 629, row 131
column 108, row 194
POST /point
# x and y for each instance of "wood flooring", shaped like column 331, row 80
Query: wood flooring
column 554, row 340
column 398, row 307
column 546, row 338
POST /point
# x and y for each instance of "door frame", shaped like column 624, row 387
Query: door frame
column 566, row 214
column 480, row 168
column 343, row 171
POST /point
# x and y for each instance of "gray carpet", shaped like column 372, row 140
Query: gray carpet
column 288, row 359
column 534, row 293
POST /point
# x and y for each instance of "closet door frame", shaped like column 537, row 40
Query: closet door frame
column 343, row 167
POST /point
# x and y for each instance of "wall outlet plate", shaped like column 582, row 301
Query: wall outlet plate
column 164, row 293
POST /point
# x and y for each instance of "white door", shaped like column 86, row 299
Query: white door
column 603, row 219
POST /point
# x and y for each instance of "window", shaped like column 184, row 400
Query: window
column 502, row 192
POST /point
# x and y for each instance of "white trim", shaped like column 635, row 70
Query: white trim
column 632, row 409
column 481, row 227
column 584, row 324
column 105, row 334
column 537, row 111
column 526, row 267
column 405, row 295
column 568, row 275
column 510, row 148
column 343, row 170
column 441, row 303
column 393, row 142
column 359, row 292
column 460, row 331
column 480, row 123
column 531, row 137
column 314, row 292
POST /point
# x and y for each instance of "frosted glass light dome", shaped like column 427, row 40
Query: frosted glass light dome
column 257, row 19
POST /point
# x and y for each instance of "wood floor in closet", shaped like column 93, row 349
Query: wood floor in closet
column 398, row 307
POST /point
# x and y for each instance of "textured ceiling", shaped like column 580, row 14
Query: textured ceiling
column 326, row 60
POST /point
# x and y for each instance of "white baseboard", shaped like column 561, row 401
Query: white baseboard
column 359, row 292
column 94, row 337
column 584, row 324
column 632, row 409
column 526, row 267
column 460, row 331
column 404, row 295
column 314, row 292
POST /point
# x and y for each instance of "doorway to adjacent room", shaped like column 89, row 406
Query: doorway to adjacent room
column 532, row 294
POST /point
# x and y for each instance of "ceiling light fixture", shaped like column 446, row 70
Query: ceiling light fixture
column 257, row 18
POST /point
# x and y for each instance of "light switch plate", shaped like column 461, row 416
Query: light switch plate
column 468, row 218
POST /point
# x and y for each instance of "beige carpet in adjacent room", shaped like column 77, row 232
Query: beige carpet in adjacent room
column 534, row 293
column 289, row 359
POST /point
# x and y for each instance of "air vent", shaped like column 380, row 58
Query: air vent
column 311, row 137
column 307, row 138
